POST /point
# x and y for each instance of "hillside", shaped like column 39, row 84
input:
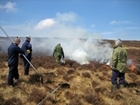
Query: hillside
column 87, row 84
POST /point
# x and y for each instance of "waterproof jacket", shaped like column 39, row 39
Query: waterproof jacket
column 13, row 53
column 58, row 51
column 27, row 46
column 119, row 59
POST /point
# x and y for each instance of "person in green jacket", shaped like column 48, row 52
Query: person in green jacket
column 58, row 53
column 118, row 65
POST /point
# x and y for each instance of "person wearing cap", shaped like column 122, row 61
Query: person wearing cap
column 58, row 53
column 118, row 65
column 27, row 47
column 13, row 55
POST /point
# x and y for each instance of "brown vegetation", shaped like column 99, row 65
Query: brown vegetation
column 87, row 84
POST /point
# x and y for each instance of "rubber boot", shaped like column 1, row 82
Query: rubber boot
column 16, row 81
column 122, row 86
column 113, row 88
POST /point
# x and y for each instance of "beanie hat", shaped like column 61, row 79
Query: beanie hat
column 27, row 36
column 118, row 42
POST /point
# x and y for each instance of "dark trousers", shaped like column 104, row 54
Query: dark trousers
column 58, row 58
column 13, row 73
column 26, row 66
column 115, row 75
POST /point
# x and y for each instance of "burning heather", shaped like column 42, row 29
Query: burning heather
column 84, row 79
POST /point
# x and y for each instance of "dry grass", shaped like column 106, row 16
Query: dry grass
column 85, row 84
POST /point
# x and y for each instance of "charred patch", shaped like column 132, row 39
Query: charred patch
column 3, row 57
column 94, row 99
column 3, row 77
column 49, row 81
column 133, row 84
column 49, row 77
column 3, row 85
column 95, row 65
column 133, row 76
column 65, row 85
column 70, row 71
column 70, row 63
column 75, row 102
column 68, row 95
column 36, row 96
column 117, row 95
column 86, row 75
column 60, row 71
column 94, row 84
column 13, row 101
column 85, row 67
column 52, row 100
column 35, row 78
column 138, row 70
column 1, row 99
column 100, row 90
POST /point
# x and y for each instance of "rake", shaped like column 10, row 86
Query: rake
column 63, row 85
column 41, row 77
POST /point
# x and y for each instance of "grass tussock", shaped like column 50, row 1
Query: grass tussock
column 94, row 99
column 87, row 84
column 86, row 75
column 36, row 95
column 13, row 101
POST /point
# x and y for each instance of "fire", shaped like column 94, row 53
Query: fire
column 132, row 67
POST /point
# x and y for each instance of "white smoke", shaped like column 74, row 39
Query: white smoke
column 80, row 50
column 78, row 44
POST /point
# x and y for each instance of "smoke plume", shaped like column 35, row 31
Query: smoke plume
column 80, row 50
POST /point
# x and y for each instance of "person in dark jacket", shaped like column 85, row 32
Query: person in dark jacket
column 27, row 47
column 13, row 55
column 58, row 53
column 118, row 65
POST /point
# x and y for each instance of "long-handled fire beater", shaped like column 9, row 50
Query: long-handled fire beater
column 41, row 77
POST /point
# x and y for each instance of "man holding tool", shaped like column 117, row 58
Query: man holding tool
column 27, row 47
column 13, row 53
column 58, row 53
column 118, row 65
column 40, row 76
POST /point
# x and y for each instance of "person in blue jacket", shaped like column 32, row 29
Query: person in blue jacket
column 13, row 56
column 27, row 47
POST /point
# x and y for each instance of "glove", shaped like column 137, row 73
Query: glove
column 28, row 51
column 62, row 60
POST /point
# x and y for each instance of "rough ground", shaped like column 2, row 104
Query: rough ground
column 84, row 84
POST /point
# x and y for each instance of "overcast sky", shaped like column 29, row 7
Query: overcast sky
column 106, row 19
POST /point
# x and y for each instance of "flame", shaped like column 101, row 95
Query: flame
column 132, row 67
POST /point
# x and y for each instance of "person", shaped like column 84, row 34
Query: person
column 27, row 48
column 58, row 53
column 118, row 65
column 13, row 55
